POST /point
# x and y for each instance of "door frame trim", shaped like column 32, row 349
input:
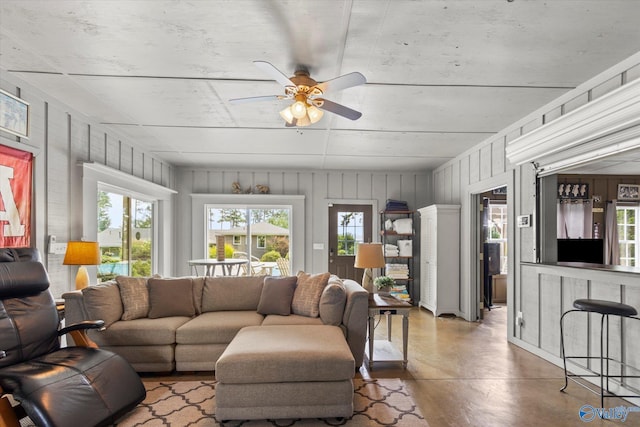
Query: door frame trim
column 469, row 249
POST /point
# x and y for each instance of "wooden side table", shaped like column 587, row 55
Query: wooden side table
column 383, row 350
column 60, row 308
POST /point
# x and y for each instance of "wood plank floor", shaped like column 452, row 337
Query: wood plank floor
column 467, row 374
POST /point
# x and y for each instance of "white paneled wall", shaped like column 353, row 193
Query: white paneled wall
column 60, row 140
column 319, row 188
column 541, row 293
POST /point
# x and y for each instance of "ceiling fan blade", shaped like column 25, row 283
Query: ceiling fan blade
column 338, row 109
column 342, row 82
column 275, row 74
column 256, row 99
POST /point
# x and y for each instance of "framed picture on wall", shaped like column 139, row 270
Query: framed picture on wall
column 14, row 115
column 15, row 194
column 628, row 192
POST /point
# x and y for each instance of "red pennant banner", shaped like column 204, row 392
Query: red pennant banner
column 15, row 197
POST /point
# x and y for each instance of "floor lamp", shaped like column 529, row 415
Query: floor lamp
column 368, row 256
column 82, row 253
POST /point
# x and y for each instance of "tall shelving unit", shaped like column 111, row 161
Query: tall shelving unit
column 399, row 265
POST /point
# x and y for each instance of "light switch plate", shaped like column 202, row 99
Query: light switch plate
column 58, row 248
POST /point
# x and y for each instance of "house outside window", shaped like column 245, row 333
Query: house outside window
column 237, row 240
column 261, row 242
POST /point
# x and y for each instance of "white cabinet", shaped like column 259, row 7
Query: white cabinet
column 440, row 259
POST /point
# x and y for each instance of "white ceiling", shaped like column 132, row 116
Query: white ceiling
column 443, row 75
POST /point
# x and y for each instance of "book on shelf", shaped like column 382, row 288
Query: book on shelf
column 400, row 292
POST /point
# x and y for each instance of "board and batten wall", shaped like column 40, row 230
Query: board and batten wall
column 61, row 139
column 319, row 188
column 540, row 292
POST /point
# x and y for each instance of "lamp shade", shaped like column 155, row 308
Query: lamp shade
column 369, row 255
column 82, row 253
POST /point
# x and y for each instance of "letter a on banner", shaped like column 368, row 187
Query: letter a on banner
column 15, row 197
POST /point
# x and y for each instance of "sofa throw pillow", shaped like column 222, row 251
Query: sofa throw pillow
column 103, row 302
column 135, row 297
column 306, row 298
column 332, row 301
column 277, row 294
column 231, row 293
column 171, row 297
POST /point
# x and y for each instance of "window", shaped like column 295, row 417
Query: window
column 350, row 232
column 498, row 231
column 292, row 243
column 628, row 235
column 260, row 234
column 125, row 235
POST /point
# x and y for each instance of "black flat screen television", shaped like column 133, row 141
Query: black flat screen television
column 581, row 250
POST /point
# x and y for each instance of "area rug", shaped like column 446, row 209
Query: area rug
column 382, row 402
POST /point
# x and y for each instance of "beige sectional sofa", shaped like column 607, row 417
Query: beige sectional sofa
column 185, row 324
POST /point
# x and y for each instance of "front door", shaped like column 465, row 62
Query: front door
column 348, row 226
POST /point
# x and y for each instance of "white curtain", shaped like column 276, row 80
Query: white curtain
column 611, row 241
column 575, row 219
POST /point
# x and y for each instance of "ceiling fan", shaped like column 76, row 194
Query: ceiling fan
column 307, row 95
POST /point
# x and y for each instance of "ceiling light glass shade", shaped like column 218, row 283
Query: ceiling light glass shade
column 303, row 121
column 314, row 113
column 287, row 115
column 299, row 109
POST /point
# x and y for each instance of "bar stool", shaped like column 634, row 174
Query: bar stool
column 606, row 309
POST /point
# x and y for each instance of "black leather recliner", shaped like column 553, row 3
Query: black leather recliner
column 70, row 386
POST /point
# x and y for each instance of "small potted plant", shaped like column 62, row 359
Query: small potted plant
column 384, row 284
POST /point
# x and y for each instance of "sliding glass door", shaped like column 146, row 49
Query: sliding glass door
column 125, row 235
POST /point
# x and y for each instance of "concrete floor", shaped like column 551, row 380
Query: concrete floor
column 467, row 374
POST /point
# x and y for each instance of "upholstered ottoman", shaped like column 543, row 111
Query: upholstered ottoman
column 285, row 371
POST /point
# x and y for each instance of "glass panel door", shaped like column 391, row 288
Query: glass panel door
column 125, row 236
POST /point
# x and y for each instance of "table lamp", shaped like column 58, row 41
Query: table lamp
column 368, row 256
column 82, row 253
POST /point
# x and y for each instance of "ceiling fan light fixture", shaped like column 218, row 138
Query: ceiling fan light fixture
column 314, row 113
column 307, row 107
